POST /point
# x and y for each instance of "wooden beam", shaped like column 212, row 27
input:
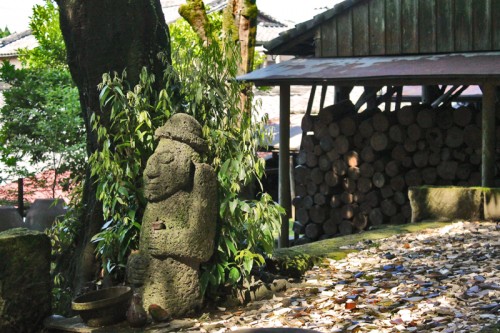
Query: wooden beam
column 399, row 98
column 311, row 100
column 324, row 87
column 488, row 128
column 369, row 94
column 284, row 163
column 445, row 96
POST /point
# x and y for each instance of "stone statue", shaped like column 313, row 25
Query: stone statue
column 178, row 228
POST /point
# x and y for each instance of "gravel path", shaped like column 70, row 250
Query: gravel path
column 438, row 280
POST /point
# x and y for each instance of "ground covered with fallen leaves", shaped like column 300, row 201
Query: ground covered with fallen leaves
column 437, row 280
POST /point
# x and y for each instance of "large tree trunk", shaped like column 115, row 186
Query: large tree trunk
column 105, row 36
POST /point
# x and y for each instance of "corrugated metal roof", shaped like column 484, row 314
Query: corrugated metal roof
column 464, row 68
column 10, row 44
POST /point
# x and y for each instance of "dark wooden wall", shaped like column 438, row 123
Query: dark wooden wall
column 389, row 27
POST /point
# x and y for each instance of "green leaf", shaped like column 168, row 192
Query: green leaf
column 232, row 206
column 245, row 207
column 123, row 191
column 230, row 245
column 234, row 275
column 247, row 264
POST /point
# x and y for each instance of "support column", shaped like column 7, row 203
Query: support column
column 488, row 129
column 429, row 94
column 341, row 93
column 284, row 163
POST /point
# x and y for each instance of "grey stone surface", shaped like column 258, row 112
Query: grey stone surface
column 43, row 213
column 25, row 283
column 491, row 204
column 445, row 203
column 10, row 218
column 179, row 224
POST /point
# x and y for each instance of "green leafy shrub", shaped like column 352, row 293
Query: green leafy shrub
column 40, row 121
column 207, row 91
column 118, row 166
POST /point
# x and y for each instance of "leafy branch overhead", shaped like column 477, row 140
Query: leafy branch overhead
column 40, row 121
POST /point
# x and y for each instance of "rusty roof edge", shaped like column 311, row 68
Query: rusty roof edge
column 407, row 70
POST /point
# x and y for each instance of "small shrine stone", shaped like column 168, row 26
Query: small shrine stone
column 25, row 283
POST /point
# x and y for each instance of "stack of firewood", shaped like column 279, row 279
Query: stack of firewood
column 354, row 169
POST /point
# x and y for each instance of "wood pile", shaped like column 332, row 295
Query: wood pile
column 354, row 169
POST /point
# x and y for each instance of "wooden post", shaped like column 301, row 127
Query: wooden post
column 324, row 88
column 20, row 196
column 341, row 93
column 488, row 124
column 284, row 163
column 429, row 94
column 293, row 212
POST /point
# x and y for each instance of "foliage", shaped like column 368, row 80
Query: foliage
column 118, row 166
column 246, row 226
column 51, row 51
column 40, row 121
column 62, row 237
column 4, row 32
column 213, row 98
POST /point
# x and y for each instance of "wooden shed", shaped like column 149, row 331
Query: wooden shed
column 382, row 45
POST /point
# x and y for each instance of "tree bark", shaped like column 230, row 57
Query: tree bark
column 106, row 36
column 244, row 29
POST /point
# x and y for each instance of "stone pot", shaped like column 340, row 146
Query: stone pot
column 103, row 307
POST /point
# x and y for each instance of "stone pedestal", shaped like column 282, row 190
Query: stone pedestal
column 25, row 283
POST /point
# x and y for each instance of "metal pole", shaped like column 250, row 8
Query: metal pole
column 488, row 129
column 20, row 196
column 284, row 164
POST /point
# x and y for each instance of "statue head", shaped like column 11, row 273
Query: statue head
column 171, row 167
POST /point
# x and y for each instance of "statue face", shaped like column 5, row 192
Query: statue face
column 168, row 170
